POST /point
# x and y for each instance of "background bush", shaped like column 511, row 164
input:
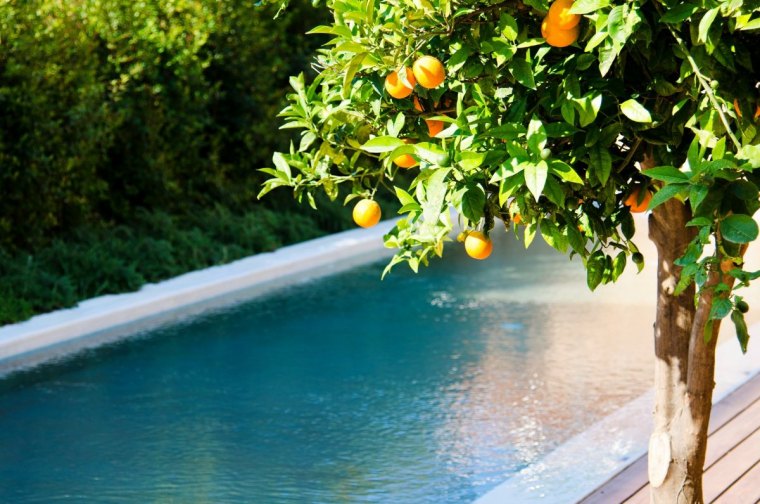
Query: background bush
column 130, row 135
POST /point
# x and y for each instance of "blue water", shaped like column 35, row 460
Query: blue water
column 426, row 388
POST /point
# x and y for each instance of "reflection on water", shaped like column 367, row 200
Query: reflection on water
column 426, row 388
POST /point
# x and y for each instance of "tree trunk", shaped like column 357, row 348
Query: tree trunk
column 684, row 369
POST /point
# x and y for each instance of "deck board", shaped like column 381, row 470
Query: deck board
column 731, row 463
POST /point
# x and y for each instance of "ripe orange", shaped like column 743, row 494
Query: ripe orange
column 398, row 88
column 517, row 218
column 429, row 71
column 418, row 105
column 633, row 201
column 434, row 126
column 367, row 213
column 477, row 245
column 558, row 37
column 559, row 15
column 406, row 160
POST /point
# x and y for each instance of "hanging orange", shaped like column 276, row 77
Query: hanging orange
column 396, row 87
column 559, row 15
column 429, row 72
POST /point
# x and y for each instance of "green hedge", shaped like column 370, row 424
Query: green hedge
column 113, row 105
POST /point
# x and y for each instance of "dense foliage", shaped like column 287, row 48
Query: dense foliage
column 560, row 136
column 130, row 134
column 112, row 105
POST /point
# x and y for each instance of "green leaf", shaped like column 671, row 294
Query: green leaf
column 382, row 144
column 281, row 164
column 679, row 13
column 535, row 177
column 552, row 236
column 522, row 72
column 601, row 163
column 432, row 153
column 720, row 308
column 706, row 22
column 404, row 197
column 668, row 174
column 470, row 160
column 595, row 269
column 350, row 71
column 536, row 136
column 667, row 192
column 742, row 334
column 576, row 240
column 618, row 265
column 635, row 111
column 586, row 6
column 739, row 228
column 473, row 202
column 565, row 172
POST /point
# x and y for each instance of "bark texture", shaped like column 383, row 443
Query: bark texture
column 684, row 369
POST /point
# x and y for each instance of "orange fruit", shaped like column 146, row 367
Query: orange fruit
column 477, row 245
column 434, row 126
column 429, row 71
column 737, row 109
column 559, row 15
column 367, row 213
column 557, row 37
column 398, row 88
column 757, row 111
column 418, row 105
column 633, row 201
column 406, row 160
column 517, row 218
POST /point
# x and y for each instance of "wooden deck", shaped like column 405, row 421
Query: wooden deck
column 732, row 464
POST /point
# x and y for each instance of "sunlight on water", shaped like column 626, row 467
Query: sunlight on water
column 421, row 388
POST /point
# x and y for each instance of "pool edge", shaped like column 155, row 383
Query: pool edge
column 612, row 443
column 25, row 343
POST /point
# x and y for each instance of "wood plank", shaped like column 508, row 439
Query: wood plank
column 621, row 486
column 631, row 483
column 746, row 489
column 732, row 433
column 731, row 466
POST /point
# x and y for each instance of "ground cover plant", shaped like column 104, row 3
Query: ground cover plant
column 560, row 120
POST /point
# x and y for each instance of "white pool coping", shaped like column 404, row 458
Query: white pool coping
column 107, row 318
column 597, row 453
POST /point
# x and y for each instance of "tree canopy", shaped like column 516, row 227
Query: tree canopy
column 562, row 138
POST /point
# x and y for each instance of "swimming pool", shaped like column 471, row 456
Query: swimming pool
column 421, row 388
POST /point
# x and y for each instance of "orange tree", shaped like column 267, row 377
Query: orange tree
column 570, row 119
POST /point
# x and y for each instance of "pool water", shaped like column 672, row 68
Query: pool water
column 421, row 388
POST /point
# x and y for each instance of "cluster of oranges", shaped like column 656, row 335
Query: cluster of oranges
column 560, row 28
column 428, row 72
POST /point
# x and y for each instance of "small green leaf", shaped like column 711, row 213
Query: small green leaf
column 679, row 13
column 565, row 172
column 742, row 334
column 382, row 144
column 473, row 202
column 522, row 72
column 668, row 174
column 281, row 164
column 535, row 177
column 706, row 22
column 720, row 308
column 635, row 111
column 595, row 269
column 601, row 162
column 586, row 6
column 667, row 192
column 739, row 228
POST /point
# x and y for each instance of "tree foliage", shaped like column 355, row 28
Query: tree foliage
column 107, row 106
column 560, row 136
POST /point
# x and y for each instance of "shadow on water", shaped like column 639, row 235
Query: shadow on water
column 420, row 388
